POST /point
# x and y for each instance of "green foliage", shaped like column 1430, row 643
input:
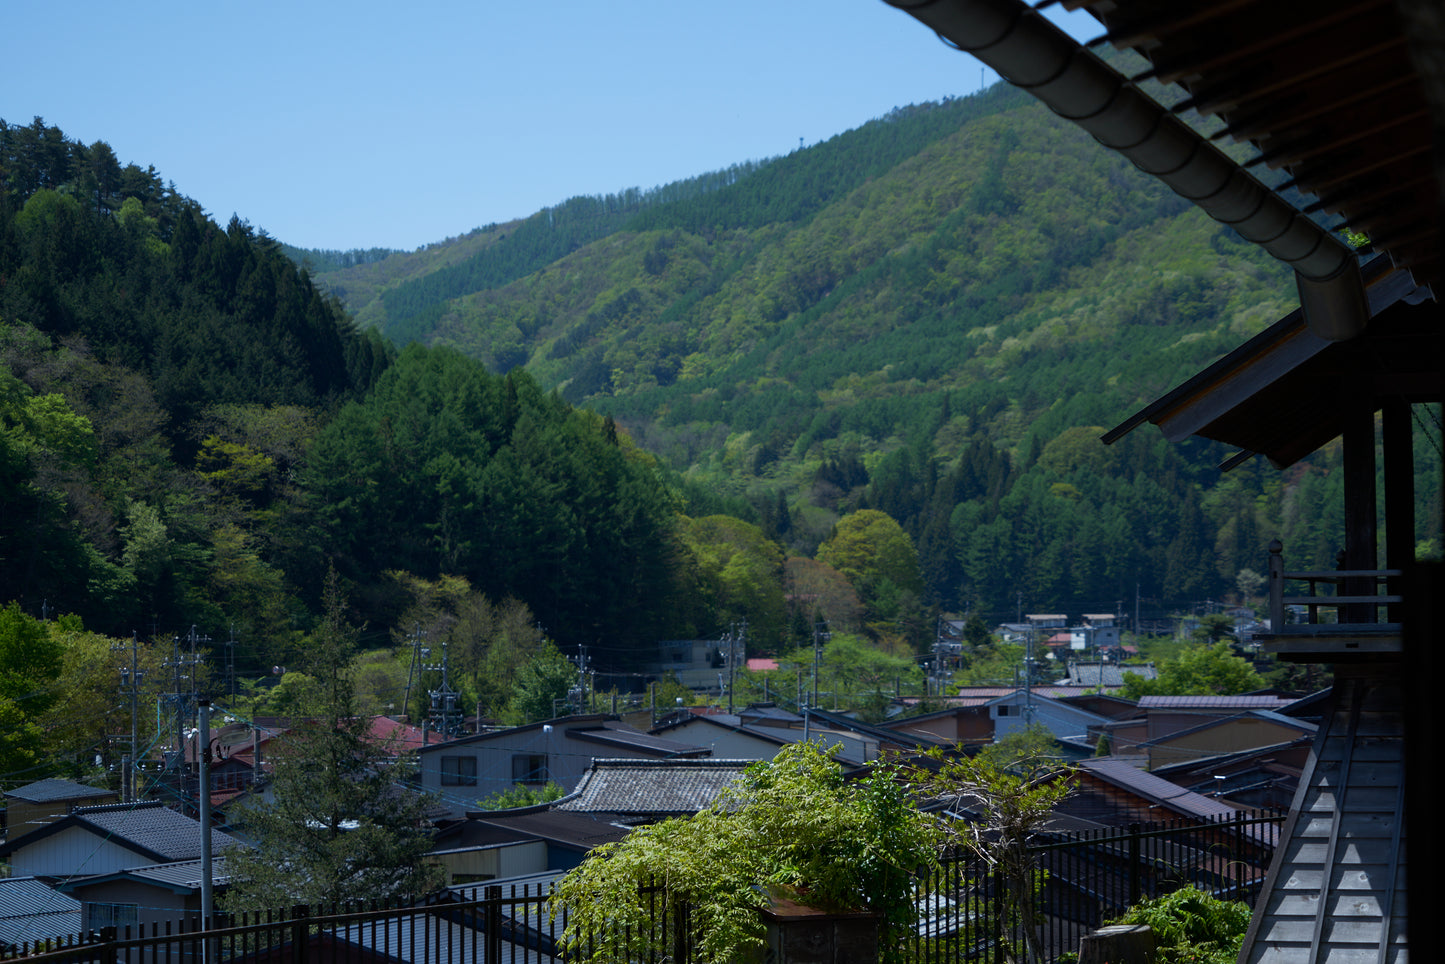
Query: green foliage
column 341, row 828
column 1200, row 669
column 31, row 660
column 490, row 479
column 1192, row 927
column 1030, row 751
column 793, row 826
column 520, row 796
column 1011, row 792
column 541, row 686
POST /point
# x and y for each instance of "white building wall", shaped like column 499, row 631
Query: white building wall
column 73, row 852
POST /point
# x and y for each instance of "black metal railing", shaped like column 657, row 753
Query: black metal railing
column 1084, row 879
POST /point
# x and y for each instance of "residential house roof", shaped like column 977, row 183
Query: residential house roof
column 1156, row 790
column 1103, row 673
column 181, row 876
column 594, row 728
column 31, row 911
column 52, row 790
column 619, row 734
column 1214, row 702
column 148, row 829
column 1264, row 776
column 979, row 695
column 652, row 788
column 578, row 831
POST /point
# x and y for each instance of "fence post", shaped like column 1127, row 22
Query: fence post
column 492, row 926
column 1134, row 831
column 299, row 930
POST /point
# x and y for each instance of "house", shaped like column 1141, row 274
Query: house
column 466, row 770
column 698, row 664
column 1113, row 792
column 36, row 804
column 1020, row 709
column 1249, row 730
column 764, row 730
column 31, row 912
column 958, row 725
column 1102, row 630
column 106, row 839
column 491, row 844
column 146, row 894
column 1261, row 778
column 1166, row 715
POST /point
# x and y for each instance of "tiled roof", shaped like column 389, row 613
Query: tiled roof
column 1214, row 702
column 1106, row 674
column 660, row 787
column 45, row 791
column 31, row 911
column 150, row 827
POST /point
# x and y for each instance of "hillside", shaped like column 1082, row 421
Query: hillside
column 935, row 315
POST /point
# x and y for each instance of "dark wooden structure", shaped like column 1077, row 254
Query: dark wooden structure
column 1347, row 97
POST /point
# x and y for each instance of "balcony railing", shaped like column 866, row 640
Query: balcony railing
column 1087, row 878
column 1344, row 610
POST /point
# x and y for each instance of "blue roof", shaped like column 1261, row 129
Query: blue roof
column 31, row 911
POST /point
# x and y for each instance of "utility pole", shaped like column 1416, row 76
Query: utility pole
column 443, row 700
column 130, row 681
column 417, row 653
column 203, row 759
column 184, row 691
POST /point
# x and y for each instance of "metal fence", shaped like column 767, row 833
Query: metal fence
column 1084, row 880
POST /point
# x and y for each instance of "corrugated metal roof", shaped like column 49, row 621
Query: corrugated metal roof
column 1155, row 789
column 31, row 911
column 1244, row 702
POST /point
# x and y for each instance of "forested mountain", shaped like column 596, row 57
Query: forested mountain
column 935, row 315
column 193, row 435
column 864, row 381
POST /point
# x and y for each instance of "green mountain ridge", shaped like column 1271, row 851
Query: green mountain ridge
column 972, row 273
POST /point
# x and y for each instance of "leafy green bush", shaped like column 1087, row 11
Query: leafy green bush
column 792, row 826
column 1193, row 927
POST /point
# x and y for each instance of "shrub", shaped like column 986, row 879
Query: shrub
column 1193, row 927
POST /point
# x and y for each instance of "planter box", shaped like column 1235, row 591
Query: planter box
column 806, row 935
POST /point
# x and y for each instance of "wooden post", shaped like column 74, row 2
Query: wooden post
column 1119, row 944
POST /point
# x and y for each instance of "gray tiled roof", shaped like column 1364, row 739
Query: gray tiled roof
column 653, row 786
column 31, row 911
column 45, row 791
column 167, row 835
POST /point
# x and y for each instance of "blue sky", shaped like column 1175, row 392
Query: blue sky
column 370, row 124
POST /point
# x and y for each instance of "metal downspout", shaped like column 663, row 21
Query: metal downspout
column 1031, row 53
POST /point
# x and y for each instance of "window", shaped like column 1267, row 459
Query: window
column 529, row 768
column 459, row 771
column 112, row 915
column 1004, row 709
